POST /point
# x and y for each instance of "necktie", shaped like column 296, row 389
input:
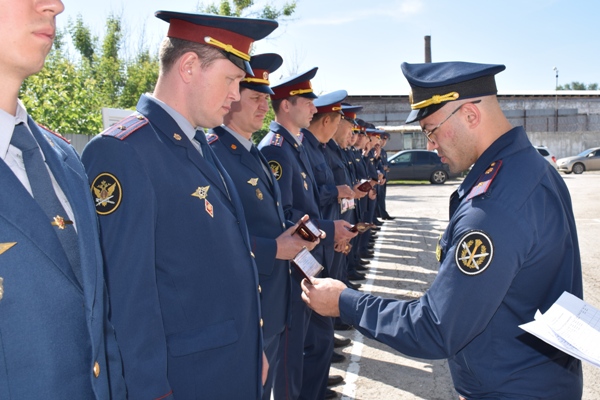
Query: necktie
column 44, row 194
column 206, row 151
column 255, row 153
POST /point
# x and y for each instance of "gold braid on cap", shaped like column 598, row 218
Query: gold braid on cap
column 300, row 91
column 256, row 80
column 436, row 99
column 227, row 47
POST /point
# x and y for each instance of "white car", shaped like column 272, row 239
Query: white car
column 544, row 152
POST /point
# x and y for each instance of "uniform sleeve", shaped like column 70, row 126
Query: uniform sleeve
column 457, row 307
column 275, row 154
column 128, row 237
column 265, row 250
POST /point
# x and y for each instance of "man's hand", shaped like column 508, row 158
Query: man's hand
column 323, row 295
column 342, row 231
column 288, row 244
column 359, row 194
column 265, row 369
column 372, row 194
column 344, row 192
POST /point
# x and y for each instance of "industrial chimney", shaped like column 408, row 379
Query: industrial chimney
column 427, row 49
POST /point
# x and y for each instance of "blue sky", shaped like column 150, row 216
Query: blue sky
column 359, row 45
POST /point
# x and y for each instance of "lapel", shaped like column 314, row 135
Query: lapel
column 246, row 159
column 21, row 211
column 164, row 124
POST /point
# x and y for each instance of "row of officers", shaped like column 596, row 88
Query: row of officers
column 158, row 265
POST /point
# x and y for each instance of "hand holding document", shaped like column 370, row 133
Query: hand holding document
column 572, row 326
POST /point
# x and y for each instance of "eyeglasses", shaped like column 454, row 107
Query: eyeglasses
column 429, row 133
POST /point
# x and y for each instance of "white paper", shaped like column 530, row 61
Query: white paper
column 570, row 325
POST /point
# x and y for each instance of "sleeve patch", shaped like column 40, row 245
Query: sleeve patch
column 126, row 127
column 276, row 169
column 107, row 193
column 474, row 252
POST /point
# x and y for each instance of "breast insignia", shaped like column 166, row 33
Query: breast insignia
column 5, row 246
column 211, row 138
column 107, row 193
column 253, row 181
column 474, row 252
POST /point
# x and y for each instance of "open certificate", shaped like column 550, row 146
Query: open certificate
column 572, row 326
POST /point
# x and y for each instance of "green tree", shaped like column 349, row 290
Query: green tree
column 246, row 8
column 577, row 86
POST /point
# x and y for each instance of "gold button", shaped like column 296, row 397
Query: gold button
column 96, row 369
column 259, row 289
column 261, row 322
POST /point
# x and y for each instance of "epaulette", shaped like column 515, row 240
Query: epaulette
column 485, row 180
column 276, row 140
column 126, row 127
column 58, row 135
column 211, row 138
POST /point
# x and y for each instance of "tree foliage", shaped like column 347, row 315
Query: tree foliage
column 577, row 86
column 69, row 93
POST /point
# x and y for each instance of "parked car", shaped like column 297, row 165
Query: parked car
column 418, row 165
column 587, row 160
column 544, row 152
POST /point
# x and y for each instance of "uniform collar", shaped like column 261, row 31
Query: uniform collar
column 511, row 142
column 179, row 119
column 7, row 126
column 243, row 141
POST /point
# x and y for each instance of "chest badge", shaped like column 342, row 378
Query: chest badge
column 202, row 194
column 474, row 252
column 253, row 181
column 259, row 194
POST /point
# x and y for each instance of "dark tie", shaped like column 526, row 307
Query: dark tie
column 206, row 151
column 44, row 194
column 254, row 151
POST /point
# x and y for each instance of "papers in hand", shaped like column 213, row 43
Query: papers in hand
column 572, row 326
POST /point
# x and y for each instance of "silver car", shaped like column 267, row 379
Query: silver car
column 587, row 160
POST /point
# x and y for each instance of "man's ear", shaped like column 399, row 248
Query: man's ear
column 472, row 115
column 189, row 64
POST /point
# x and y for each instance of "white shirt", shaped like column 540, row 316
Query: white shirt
column 13, row 157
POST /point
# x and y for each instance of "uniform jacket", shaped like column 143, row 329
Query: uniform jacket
column 180, row 272
column 264, row 216
column 299, row 193
column 53, row 329
column 510, row 249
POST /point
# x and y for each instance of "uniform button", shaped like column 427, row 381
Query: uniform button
column 277, row 204
column 283, row 225
column 96, row 369
column 259, row 289
column 252, row 254
column 261, row 322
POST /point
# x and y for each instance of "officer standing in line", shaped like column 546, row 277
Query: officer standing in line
column 381, row 194
column 510, row 249
column 180, row 267
column 56, row 341
column 272, row 244
column 283, row 147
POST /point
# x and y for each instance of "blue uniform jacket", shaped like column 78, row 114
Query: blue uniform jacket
column 53, row 330
column 299, row 194
column 264, row 216
column 510, row 249
column 182, row 281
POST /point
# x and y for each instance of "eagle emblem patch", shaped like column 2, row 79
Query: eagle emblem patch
column 276, row 169
column 107, row 192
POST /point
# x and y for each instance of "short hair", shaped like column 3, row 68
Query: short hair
column 171, row 49
column 276, row 104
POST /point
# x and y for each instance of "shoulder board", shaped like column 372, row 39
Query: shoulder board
column 276, row 140
column 211, row 138
column 58, row 135
column 485, row 180
column 126, row 127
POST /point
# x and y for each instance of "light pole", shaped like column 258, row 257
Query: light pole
column 556, row 100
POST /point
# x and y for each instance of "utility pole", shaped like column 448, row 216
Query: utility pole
column 556, row 100
column 427, row 49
